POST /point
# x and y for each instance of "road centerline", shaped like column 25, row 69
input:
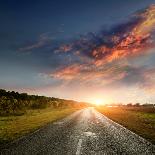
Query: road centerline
column 78, row 151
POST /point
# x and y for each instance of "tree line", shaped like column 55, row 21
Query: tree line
column 14, row 103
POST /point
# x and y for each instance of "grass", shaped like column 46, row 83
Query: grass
column 140, row 120
column 12, row 127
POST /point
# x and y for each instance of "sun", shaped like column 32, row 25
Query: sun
column 98, row 102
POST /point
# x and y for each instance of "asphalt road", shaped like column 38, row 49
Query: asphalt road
column 86, row 132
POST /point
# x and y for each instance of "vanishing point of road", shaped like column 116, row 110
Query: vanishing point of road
column 85, row 132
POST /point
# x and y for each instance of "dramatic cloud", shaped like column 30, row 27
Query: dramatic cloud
column 91, row 74
column 131, row 38
column 68, row 73
column 103, row 57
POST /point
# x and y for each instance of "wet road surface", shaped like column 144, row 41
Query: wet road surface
column 85, row 132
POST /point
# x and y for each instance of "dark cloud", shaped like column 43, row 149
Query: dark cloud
column 131, row 38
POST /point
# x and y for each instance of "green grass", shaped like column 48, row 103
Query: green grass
column 12, row 127
column 139, row 120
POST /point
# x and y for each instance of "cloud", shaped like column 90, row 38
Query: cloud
column 148, row 84
column 131, row 38
column 89, row 74
column 116, row 74
column 102, row 58
column 43, row 40
column 64, row 48
column 67, row 73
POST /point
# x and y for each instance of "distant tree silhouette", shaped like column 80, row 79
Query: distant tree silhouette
column 129, row 105
column 137, row 104
column 13, row 103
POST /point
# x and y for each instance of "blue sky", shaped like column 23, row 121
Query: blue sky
column 42, row 47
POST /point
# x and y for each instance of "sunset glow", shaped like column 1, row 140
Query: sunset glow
column 99, row 102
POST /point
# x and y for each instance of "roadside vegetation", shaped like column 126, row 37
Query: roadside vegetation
column 16, row 104
column 22, row 113
column 137, row 118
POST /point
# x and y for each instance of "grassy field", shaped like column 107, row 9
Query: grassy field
column 12, row 127
column 140, row 120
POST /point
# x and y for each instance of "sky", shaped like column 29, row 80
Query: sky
column 83, row 50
